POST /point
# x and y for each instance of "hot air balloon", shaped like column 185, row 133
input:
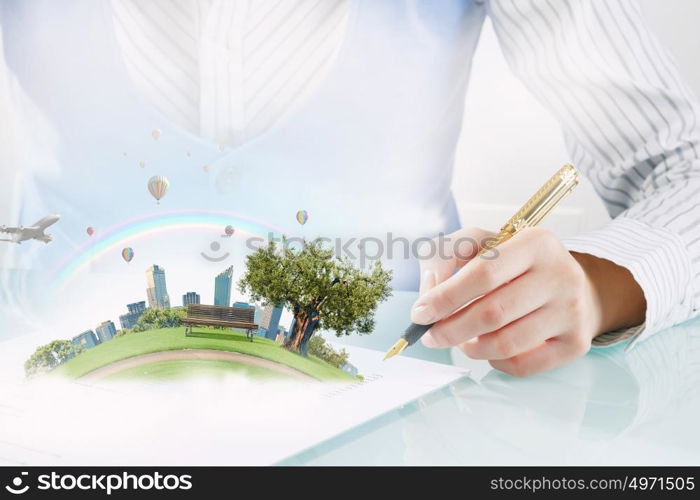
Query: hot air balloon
column 155, row 133
column 206, row 168
column 230, row 230
column 158, row 186
column 142, row 164
column 302, row 217
column 128, row 254
column 90, row 231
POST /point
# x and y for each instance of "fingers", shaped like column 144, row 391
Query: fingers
column 478, row 277
column 551, row 354
column 492, row 312
column 528, row 308
column 448, row 253
column 428, row 279
column 521, row 336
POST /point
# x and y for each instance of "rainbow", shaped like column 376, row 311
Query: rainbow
column 112, row 239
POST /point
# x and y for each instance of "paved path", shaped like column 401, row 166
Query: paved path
column 189, row 354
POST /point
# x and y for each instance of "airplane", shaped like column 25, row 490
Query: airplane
column 34, row 232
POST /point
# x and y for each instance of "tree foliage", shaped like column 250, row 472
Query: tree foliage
column 51, row 355
column 154, row 319
column 321, row 349
column 321, row 289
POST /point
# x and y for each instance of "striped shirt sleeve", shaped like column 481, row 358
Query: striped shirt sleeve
column 631, row 126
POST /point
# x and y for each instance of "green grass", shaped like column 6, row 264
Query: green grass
column 173, row 339
column 181, row 369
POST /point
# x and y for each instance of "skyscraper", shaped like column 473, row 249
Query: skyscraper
column 105, row 331
column 257, row 319
column 157, row 291
column 271, row 320
column 243, row 304
column 191, row 298
column 130, row 319
column 222, row 288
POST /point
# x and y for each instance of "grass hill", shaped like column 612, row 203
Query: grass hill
column 173, row 339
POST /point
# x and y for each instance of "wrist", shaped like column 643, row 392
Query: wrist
column 618, row 300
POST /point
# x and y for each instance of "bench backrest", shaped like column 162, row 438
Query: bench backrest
column 221, row 313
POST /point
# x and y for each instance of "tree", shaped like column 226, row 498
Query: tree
column 160, row 318
column 322, row 290
column 319, row 347
column 51, row 355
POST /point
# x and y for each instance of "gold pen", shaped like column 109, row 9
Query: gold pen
column 535, row 209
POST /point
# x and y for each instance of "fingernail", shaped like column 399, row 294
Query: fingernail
column 422, row 314
column 429, row 341
column 428, row 280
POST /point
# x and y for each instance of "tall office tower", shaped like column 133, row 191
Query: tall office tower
column 271, row 320
column 106, row 331
column 243, row 305
column 190, row 298
column 130, row 319
column 157, row 290
column 222, row 288
column 257, row 318
column 86, row 339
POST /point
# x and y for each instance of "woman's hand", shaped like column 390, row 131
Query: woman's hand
column 528, row 305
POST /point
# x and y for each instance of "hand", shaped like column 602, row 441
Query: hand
column 528, row 305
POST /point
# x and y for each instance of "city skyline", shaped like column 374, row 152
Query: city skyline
column 191, row 298
column 157, row 290
column 106, row 331
column 87, row 339
column 223, row 284
column 136, row 309
column 271, row 320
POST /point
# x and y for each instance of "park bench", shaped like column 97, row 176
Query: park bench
column 221, row 316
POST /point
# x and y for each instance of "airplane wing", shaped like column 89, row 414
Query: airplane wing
column 46, row 222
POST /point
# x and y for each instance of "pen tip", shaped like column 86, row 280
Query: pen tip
column 397, row 348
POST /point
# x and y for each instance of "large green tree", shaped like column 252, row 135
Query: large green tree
column 49, row 356
column 322, row 290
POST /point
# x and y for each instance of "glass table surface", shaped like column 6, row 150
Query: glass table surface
column 610, row 407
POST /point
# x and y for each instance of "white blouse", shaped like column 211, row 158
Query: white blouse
column 228, row 70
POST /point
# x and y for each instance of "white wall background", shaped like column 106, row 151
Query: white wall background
column 510, row 144
column 8, row 148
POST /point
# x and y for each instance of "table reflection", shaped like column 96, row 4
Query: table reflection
column 610, row 407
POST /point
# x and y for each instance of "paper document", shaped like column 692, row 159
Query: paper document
column 231, row 421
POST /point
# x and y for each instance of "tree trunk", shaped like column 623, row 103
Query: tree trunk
column 292, row 342
column 304, row 326
column 312, row 323
column 310, row 329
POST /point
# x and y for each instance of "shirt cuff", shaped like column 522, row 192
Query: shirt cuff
column 658, row 261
